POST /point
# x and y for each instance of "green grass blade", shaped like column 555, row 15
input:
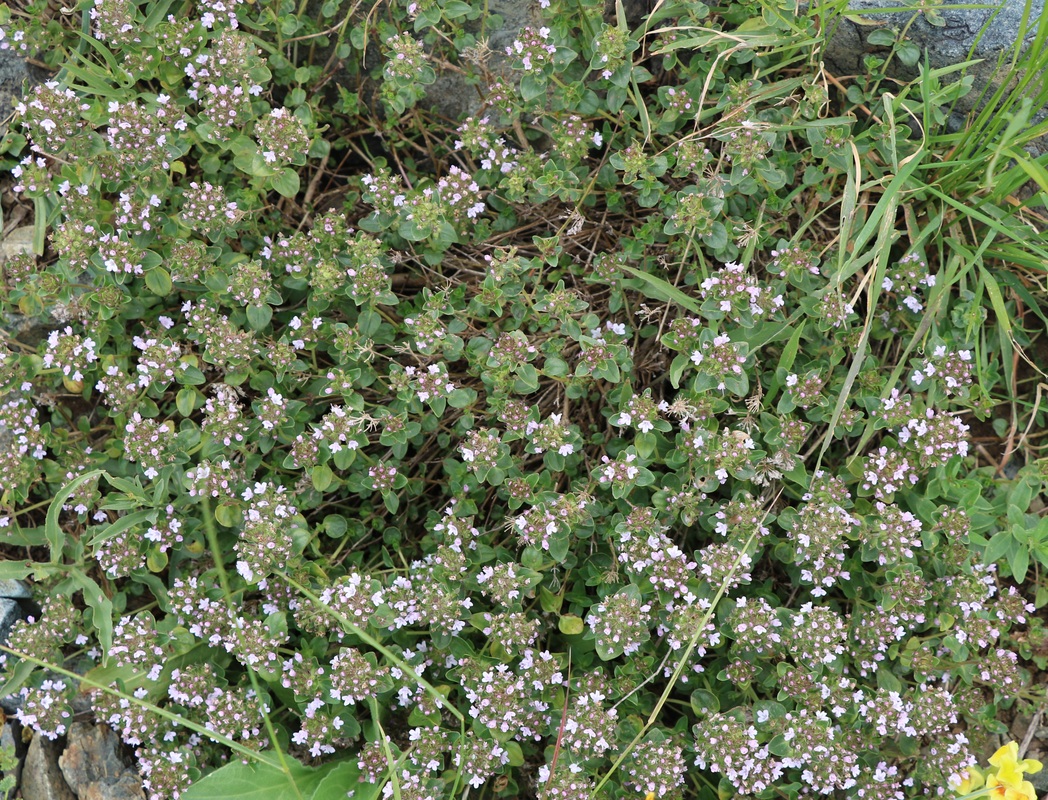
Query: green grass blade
column 662, row 290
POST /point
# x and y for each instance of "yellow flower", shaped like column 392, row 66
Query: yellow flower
column 1007, row 783
column 967, row 781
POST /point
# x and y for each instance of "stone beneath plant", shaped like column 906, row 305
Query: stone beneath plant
column 20, row 240
column 92, row 766
column 13, row 74
column 10, row 612
column 15, row 590
column 41, row 777
column 950, row 34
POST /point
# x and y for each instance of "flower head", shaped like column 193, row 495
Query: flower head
column 1007, row 783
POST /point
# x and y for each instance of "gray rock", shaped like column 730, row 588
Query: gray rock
column 10, row 613
column 92, row 766
column 946, row 46
column 452, row 95
column 20, row 240
column 13, row 75
column 41, row 777
column 1039, row 781
column 16, row 590
column 17, row 325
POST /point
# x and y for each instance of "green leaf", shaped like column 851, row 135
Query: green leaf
column 882, row 37
column 322, row 476
column 789, row 353
column 15, row 570
column 52, row 529
column 228, row 515
column 551, row 603
column 570, row 625
column 704, row 703
column 16, row 677
column 128, row 487
column 238, row 781
column 909, row 53
column 1019, row 562
column 185, row 401
column 335, row 526
column 101, row 606
column 258, row 317
column 125, row 523
column 660, row 289
column 286, row 183
column 532, row 86
column 998, row 547
column 343, row 777
column 192, row 376
column 454, row 9
column 157, row 13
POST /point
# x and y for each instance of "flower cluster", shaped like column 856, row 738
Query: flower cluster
column 573, row 137
column 135, row 643
column 481, row 140
column 282, row 138
column 404, row 58
column 893, row 534
column 620, row 624
column 205, row 206
column 265, row 543
column 47, row 709
column 150, row 443
column 736, row 294
column 793, row 262
column 729, row 746
column 51, row 117
column 950, row 370
column 459, row 194
column 139, row 136
column 70, row 353
column 905, row 282
column 807, row 391
column 44, row 636
column 720, row 358
column 383, row 190
column 656, row 767
column 354, row 676
column 936, row 436
column 227, row 345
column 533, row 48
column 886, row 471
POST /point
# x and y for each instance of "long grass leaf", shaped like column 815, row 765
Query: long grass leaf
column 351, row 627
column 1004, row 323
column 188, row 724
column 656, row 288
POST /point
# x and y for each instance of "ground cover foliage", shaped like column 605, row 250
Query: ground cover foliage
column 618, row 439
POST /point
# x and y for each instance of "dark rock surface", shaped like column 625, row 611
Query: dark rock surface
column 41, row 777
column 92, row 766
column 13, row 75
column 10, row 613
column 16, row 590
column 28, row 329
column 956, row 41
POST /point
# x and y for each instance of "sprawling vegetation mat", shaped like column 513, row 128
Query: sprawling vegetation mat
column 667, row 427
